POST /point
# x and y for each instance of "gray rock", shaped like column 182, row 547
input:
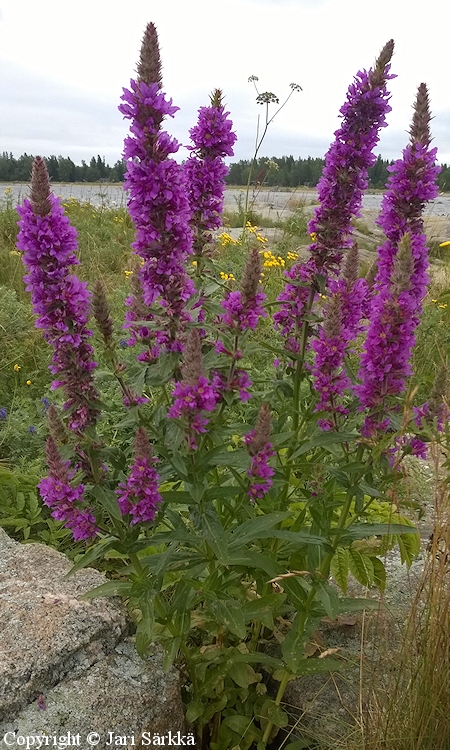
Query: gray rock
column 122, row 694
column 72, row 656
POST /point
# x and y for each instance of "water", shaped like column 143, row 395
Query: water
column 114, row 195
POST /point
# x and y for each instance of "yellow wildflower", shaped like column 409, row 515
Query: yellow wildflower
column 128, row 273
column 445, row 244
column 16, row 367
column 313, row 236
column 28, row 382
column 443, row 306
column 194, row 263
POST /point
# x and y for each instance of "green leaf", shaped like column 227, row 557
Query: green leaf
column 306, row 667
column 242, row 674
column 325, row 440
column 229, row 613
column 379, row 573
column 238, row 459
column 328, row 598
column 258, row 658
column 409, row 545
column 108, row 499
column 171, row 649
column 111, row 588
column 145, row 628
column 194, row 711
column 264, row 609
column 93, row 553
column 250, row 530
column 239, row 724
column 179, row 465
column 274, row 713
column 339, row 568
column 214, row 534
column 351, row 604
column 365, row 530
column 361, row 566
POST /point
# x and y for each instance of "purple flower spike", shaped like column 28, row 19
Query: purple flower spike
column 342, row 323
column 158, row 203
column 194, row 394
column 260, row 449
column 402, row 278
column 139, row 495
column 66, row 501
column 345, row 177
column 205, row 171
column 60, row 300
column 243, row 308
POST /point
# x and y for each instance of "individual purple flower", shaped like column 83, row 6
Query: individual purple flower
column 66, row 502
column 158, row 203
column 407, row 445
column 194, row 394
column 205, row 170
column 3, row 412
column 402, row 279
column 345, row 176
column 139, row 495
column 60, row 299
column 260, row 450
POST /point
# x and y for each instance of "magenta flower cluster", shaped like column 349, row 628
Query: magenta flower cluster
column 66, row 501
column 160, row 210
column 402, row 278
column 294, row 302
column 260, row 472
column 61, row 302
column 243, row 313
column 412, row 182
column 205, row 170
column 341, row 325
column 191, row 400
column 345, row 177
column 139, row 496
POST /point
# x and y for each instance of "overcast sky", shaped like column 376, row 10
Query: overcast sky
column 63, row 66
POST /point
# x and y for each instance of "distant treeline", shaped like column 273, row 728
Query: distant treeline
column 61, row 169
column 289, row 172
column 284, row 171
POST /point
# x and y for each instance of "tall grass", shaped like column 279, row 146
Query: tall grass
column 410, row 709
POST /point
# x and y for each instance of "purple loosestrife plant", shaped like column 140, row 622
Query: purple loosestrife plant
column 60, row 299
column 158, row 206
column 232, row 510
column 205, row 171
